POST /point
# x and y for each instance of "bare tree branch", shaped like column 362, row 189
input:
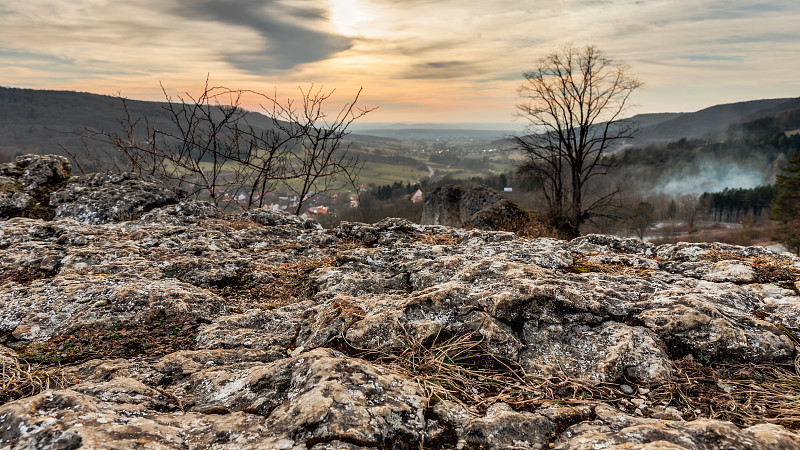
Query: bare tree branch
column 574, row 102
column 211, row 150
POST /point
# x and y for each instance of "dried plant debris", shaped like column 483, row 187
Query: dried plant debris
column 20, row 379
column 777, row 269
column 271, row 287
column 456, row 366
column 594, row 263
column 151, row 333
column 745, row 394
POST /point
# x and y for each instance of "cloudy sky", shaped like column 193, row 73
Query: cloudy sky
column 417, row 60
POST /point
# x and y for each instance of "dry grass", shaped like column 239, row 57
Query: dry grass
column 768, row 269
column 25, row 276
column 20, row 380
column 582, row 264
column 456, row 366
column 745, row 394
column 239, row 223
column 148, row 333
column 437, row 239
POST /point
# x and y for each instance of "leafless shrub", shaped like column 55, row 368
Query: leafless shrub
column 213, row 149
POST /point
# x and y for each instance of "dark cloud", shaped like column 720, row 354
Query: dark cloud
column 441, row 70
column 289, row 32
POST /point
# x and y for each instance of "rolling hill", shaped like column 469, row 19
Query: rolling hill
column 708, row 123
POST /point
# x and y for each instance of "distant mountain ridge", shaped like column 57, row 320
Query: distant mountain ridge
column 709, row 123
column 38, row 121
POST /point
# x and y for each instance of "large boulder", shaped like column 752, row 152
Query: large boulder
column 455, row 206
column 103, row 198
column 26, row 183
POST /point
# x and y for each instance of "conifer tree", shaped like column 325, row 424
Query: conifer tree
column 787, row 206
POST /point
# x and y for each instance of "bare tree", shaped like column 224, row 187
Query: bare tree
column 640, row 218
column 690, row 210
column 574, row 101
column 210, row 148
column 317, row 161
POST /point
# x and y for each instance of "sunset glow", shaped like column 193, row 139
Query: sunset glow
column 418, row 61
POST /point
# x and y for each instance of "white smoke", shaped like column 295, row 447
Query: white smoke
column 713, row 177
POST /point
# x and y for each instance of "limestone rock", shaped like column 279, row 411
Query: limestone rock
column 613, row 429
column 455, row 206
column 102, row 198
column 13, row 203
column 185, row 211
column 26, row 182
column 189, row 328
column 39, row 170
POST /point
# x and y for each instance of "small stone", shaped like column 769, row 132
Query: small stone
column 725, row 387
column 296, row 351
column 644, row 391
column 626, row 389
column 100, row 304
column 668, row 413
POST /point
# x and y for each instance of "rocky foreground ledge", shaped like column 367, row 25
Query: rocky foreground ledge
column 187, row 328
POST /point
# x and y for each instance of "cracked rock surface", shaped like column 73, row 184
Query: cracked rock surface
column 189, row 328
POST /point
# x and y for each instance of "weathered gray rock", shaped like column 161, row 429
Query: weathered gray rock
column 185, row 211
column 613, row 429
column 188, row 328
column 103, row 198
column 28, row 181
column 455, row 206
column 500, row 428
column 13, row 203
column 36, row 171
column 599, row 243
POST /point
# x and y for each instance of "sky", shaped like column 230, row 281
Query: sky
column 416, row 60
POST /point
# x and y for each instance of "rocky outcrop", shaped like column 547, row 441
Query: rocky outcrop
column 26, row 183
column 35, row 171
column 103, row 198
column 188, row 328
column 42, row 187
column 455, row 206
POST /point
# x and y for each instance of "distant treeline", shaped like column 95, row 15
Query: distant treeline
column 400, row 190
column 396, row 189
column 758, row 138
column 379, row 157
column 731, row 205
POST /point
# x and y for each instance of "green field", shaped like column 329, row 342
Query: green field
column 381, row 174
column 410, row 168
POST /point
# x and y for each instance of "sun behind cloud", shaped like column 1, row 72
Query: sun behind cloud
column 349, row 17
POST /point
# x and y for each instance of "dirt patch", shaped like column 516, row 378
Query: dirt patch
column 286, row 284
column 151, row 334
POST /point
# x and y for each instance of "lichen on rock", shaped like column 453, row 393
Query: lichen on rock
column 191, row 328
